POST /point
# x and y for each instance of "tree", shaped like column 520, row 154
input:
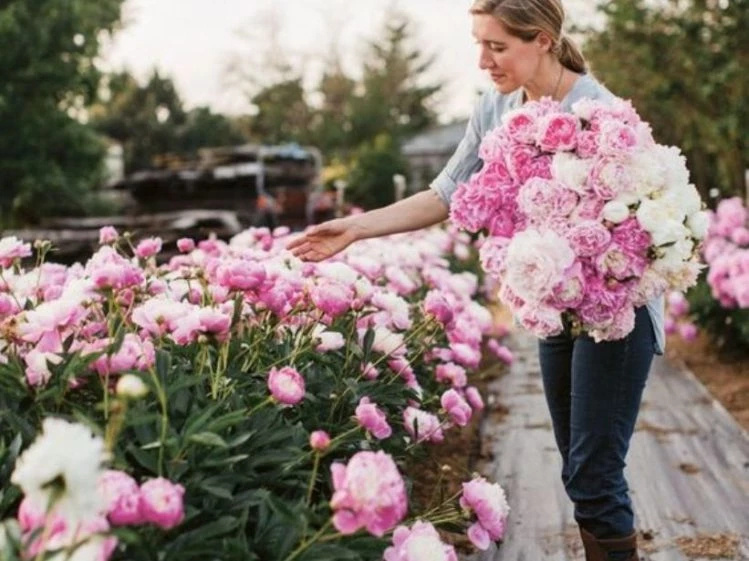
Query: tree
column 395, row 98
column 283, row 114
column 144, row 119
column 151, row 121
column 49, row 159
column 371, row 180
column 204, row 128
column 684, row 66
column 332, row 120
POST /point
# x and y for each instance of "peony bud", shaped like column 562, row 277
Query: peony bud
column 319, row 440
column 131, row 386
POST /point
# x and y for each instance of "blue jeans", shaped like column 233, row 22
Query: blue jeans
column 593, row 391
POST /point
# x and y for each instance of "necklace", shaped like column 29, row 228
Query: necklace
column 559, row 82
column 556, row 88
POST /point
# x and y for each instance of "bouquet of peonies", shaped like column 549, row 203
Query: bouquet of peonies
column 586, row 216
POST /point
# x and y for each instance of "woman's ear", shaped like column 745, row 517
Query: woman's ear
column 544, row 42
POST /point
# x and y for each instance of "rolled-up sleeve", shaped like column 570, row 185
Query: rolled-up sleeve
column 464, row 162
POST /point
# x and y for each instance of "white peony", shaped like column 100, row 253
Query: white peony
column 699, row 222
column 615, row 211
column 387, row 342
column 648, row 173
column 668, row 232
column 571, row 170
column 425, row 547
column 681, row 250
column 651, row 214
column 682, row 201
column 536, row 262
column 674, row 164
column 62, row 467
column 131, row 386
column 338, row 271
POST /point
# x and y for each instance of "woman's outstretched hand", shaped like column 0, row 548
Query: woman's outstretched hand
column 324, row 240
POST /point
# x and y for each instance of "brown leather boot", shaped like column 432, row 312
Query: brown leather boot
column 598, row 550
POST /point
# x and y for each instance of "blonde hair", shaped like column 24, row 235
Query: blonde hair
column 525, row 19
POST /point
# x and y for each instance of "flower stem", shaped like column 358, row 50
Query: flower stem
column 313, row 478
column 305, row 544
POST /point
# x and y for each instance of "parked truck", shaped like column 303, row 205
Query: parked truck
column 221, row 192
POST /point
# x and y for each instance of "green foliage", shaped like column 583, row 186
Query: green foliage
column 282, row 113
column 396, row 101
column 151, row 121
column 49, row 160
column 684, row 66
column 360, row 122
column 371, row 180
column 727, row 327
column 254, row 489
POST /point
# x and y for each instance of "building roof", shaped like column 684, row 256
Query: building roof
column 438, row 140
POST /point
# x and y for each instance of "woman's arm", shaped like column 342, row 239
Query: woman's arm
column 325, row 240
column 412, row 213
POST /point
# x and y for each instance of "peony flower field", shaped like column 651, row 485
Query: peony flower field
column 235, row 403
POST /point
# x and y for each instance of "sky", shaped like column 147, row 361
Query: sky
column 193, row 42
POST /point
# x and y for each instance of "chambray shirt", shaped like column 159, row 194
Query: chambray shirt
column 487, row 115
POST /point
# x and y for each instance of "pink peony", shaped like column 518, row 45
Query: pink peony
column 474, row 398
column 122, row 497
column 134, row 353
column 372, row 419
column 541, row 320
column 489, row 504
column 588, row 238
column 632, row 237
column 148, row 247
column 162, row 502
column 521, row 125
column 11, row 248
column 369, row 371
column 457, row 407
column 541, row 199
column 107, row 235
column 286, row 385
column 185, row 245
column 451, row 373
column 319, row 440
column 536, row 262
column 238, row 274
column 616, row 137
column 518, row 158
column 368, row 493
column 420, row 543
column 468, row 208
column 437, row 304
column 465, row 354
column 500, row 351
column 558, row 132
column 332, row 297
column 587, row 144
column 422, row 426
column 688, row 331
column 493, row 144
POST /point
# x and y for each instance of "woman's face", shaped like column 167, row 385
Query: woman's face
column 510, row 61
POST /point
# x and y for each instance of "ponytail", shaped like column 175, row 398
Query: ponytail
column 570, row 56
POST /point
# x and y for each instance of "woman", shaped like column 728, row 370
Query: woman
column 593, row 389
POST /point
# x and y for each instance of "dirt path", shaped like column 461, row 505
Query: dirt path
column 688, row 468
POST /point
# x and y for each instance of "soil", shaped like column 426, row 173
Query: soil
column 710, row 546
column 447, row 465
column 727, row 379
column 454, row 461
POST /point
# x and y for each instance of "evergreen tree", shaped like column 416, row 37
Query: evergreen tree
column 49, row 159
